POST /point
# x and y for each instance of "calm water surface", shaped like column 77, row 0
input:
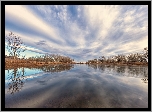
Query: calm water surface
column 77, row 86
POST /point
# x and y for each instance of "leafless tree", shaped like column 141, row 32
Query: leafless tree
column 121, row 58
column 14, row 45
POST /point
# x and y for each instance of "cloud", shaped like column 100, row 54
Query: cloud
column 81, row 32
column 22, row 16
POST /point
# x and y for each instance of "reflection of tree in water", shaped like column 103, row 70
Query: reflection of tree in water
column 95, row 66
column 145, row 80
column 120, row 69
column 55, row 68
column 129, row 71
column 135, row 71
column 101, row 67
column 16, row 80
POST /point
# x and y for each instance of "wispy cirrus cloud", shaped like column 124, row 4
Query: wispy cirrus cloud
column 81, row 32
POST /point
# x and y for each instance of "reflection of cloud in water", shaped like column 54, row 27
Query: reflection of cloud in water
column 81, row 89
column 30, row 76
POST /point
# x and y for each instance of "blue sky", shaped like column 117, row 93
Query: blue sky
column 80, row 32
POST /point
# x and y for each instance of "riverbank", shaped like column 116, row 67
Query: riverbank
column 36, row 65
column 119, row 64
column 31, row 65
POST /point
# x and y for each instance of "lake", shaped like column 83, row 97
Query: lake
column 77, row 86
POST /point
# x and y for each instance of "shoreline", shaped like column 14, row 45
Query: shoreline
column 34, row 65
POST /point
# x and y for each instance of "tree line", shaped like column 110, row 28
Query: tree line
column 133, row 58
column 51, row 58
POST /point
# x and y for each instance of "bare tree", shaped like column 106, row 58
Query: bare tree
column 146, row 53
column 133, row 58
column 14, row 45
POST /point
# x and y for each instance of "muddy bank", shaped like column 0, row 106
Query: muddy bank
column 36, row 65
column 32, row 65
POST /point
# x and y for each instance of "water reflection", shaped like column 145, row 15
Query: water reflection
column 53, row 68
column 16, row 80
column 80, row 87
column 56, row 68
column 95, row 66
column 145, row 80
column 129, row 71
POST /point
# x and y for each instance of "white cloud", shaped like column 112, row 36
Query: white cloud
column 24, row 15
column 101, row 16
column 94, row 31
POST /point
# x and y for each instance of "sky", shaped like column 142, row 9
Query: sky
column 79, row 31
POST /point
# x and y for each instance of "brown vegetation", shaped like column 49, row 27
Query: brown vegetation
column 131, row 59
column 10, row 62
